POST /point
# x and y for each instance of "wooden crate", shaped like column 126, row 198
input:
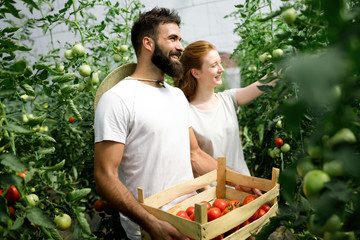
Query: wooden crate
column 200, row 229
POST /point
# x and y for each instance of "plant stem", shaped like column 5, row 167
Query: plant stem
column 11, row 135
column 78, row 27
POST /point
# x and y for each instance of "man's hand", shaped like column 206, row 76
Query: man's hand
column 163, row 230
column 255, row 191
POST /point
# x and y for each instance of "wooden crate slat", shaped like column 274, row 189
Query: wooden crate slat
column 254, row 182
column 206, row 195
column 221, row 177
column 239, row 215
column 183, row 225
column 170, row 194
column 247, row 230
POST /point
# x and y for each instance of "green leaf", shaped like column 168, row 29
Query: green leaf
column 44, row 151
column 18, row 223
column 12, row 9
column 55, row 167
column 32, row 3
column 17, row 129
column 44, row 66
column 38, row 217
column 19, row 66
column 28, row 89
column 3, row 211
column 78, row 194
column 55, row 234
column 32, row 121
column 80, row 216
column 11, row 161
column 10, row 29
column 4, row 93
column 4, row 141
column 7, row 179
column 44, row 138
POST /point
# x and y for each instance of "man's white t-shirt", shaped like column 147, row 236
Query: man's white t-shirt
column 153, row 123
column 217, row 131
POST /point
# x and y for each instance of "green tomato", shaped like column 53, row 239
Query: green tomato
column 333, row 224
column 85, row 70
column 95, row 78
column 262, row 57
column 60, row 68
column 252, row 68
column 33, row 199
column 279, row 124
column 343, row 135
column 68, row 54
column 62, row 222
column 117, row 58
column 124, row 48
column 339, row 236
column 314, row 182
column 25, row 118
column 314, row 152
column 285, row 147
column 304, row 166
column 78, row 50
column 277, row 53
column 334, row 168
column 289, row 16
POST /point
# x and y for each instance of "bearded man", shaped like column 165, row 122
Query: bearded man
column 143, row 133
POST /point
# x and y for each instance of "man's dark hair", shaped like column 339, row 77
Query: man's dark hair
column 148, row 24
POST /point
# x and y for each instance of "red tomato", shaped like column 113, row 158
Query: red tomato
column 183, row 214
column 192, row 216
column 254, row 216
column 233, row 203
column 265, row 207
column 207, row 203
column 261, row 212
column 99, row 205
column 213, row 213
column 23, row 174
column 12, row 195
column 71, row 119
column 0, row 192
column 219, row 237
column 279, row 142
column 245, row 223
column 220, row 203
column 248, row 199
column 12, row 211
column 227, row 210
column 234, row 229
column 190, row 210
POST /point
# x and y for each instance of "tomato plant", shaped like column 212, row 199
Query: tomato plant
column 303, row 111
column 41, row 154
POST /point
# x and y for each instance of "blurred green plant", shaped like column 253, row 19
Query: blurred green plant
column 46, row 112
column 314, row 108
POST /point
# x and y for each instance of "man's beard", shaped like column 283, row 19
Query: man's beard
column 163, row 62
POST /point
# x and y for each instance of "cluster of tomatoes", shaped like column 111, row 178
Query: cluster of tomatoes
column 220, row 207
column 12, row 195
